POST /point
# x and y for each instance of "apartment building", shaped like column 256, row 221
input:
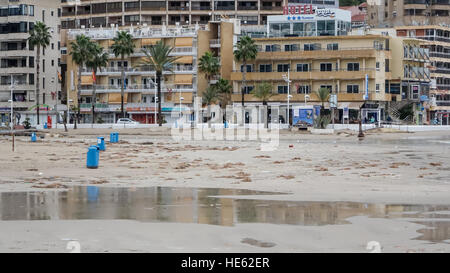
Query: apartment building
column 390, row 13
column 96, row 13
column 349, row 66
column 179, row 87
column 390, row 71
column 18, row 60
column 438, row 44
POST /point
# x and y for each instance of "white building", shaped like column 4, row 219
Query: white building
column 18, row 60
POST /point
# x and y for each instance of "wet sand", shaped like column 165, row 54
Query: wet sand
column 394, row 168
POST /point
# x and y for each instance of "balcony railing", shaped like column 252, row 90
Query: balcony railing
column 440, row 54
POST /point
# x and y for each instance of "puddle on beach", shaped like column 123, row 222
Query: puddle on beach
column 206, row 206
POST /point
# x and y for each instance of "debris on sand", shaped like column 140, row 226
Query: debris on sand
column 287, row 177
column 233, row 165
column 261, row 156
column 98, row 182
column 182, row 166
column 51, row 186
column 321, row 169
column 32, row 170
column 435, row 164
column 395, row 165
column 278, row 162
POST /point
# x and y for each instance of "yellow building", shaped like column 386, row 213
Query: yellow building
column 390, row 69
column 340, row 63
column 179, row 86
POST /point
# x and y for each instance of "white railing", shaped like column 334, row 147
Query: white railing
column 137, row 32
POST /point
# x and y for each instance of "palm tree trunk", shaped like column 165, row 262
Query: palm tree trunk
column 158, row 82
column 65, row 121
column 266, row 115
column 94, row 88
column 78, row 114
column 38, row 74
column 208, row 114
column 244, row 71
column 122, row 89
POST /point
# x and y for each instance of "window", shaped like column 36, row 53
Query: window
column 249, row 68
column 311, row 47
column 248, row 89
column 333, row 46
column 352, row 88
column 273, row 48
column 326, row 67
column 377, row 88
column 377, row 65
column 386, row 65
column 283, row 68
column 353, row 66
column 329, row 87
column 303, row 89
column 265, row 68
column 282, row 89
column 291, row 47
column 302, row 67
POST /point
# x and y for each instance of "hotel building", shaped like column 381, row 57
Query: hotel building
column 96, row 13
column 390, row 13
column 18, row 60
column 438, row 45
column 179, row 87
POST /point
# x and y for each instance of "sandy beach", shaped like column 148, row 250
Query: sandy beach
column 384, row 168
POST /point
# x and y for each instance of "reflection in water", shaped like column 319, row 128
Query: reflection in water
column 187, row 205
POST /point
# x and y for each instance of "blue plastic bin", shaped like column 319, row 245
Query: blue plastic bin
column 93, row 157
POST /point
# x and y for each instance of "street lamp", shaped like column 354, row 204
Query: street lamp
column 287, row 78
column 69, row 102
column 181, row 99
column 307, row 97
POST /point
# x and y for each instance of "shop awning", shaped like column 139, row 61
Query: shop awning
column 87, row 80
column 350, row 105
column 150, row 41
column 185, row 41
column 115, row 98
column 183, row 79
column 185, row 60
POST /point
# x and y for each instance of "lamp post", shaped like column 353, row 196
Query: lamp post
column 69, row 101
column 287, row 79
column 156, row 100
column 12, row 112
column 307, row 97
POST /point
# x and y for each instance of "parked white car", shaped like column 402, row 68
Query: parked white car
column 127, row 121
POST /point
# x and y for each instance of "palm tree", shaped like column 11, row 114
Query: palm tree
column 246, row 50
column 158, row 57
column 123, row 46
column 40, row 38
column 264, row 93
column 210, row 96
column 224, row 90
column 323, row 94
column 98, row 60
column 80, row 52
column 209, row 65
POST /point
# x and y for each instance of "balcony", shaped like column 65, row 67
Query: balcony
column 436, row 54
column 187, row 69
column 133, row 88
column 300, row 98
column 357, row 52
column 214, row 43
column 310, row 75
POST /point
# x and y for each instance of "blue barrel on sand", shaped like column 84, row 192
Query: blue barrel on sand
column 114, row 138
column 93, row 157
column 101, row 143
column 33, row 137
